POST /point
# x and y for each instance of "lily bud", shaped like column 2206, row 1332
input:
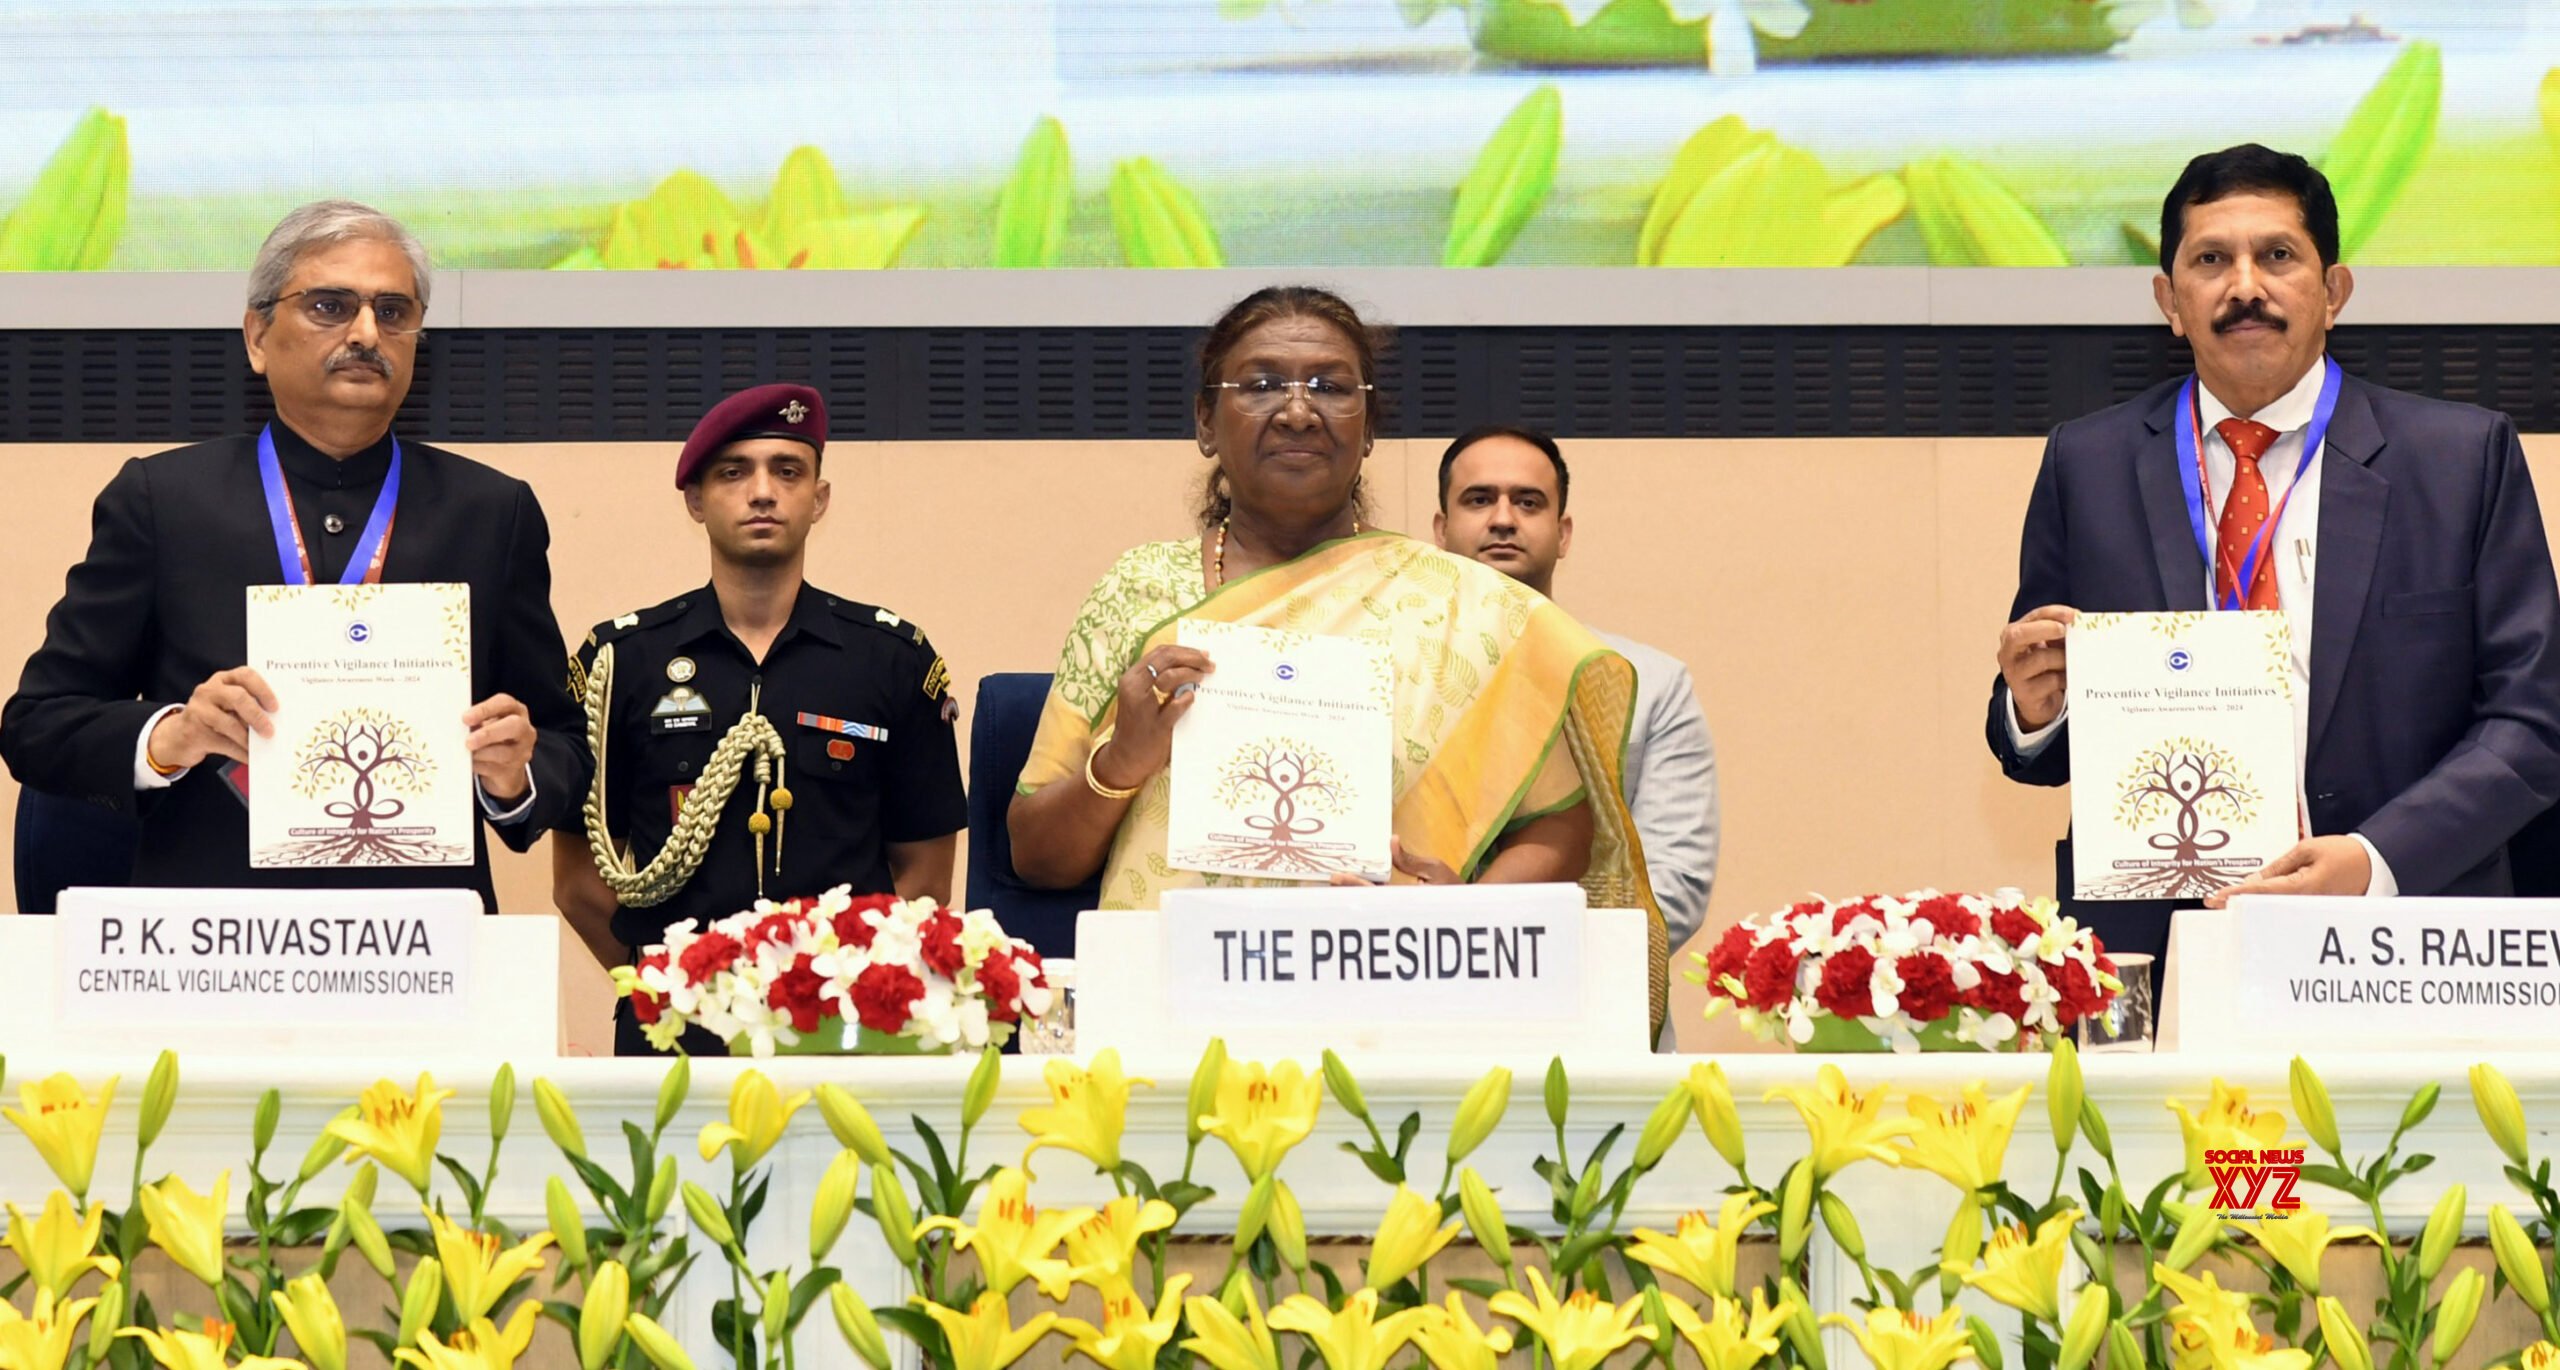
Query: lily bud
column 1986, row 1343
column 1288, row 1228
column 1712, row 1097
column 707, row 1217
column 2198, row 1227
column 2421, row 1104
column 655, row 1342
column 319, row 1332
column 2093, row 1125
column 159, row 1095
column 2111, row 1206
column 1559, row 1093
column 568, row 1225
column 326, row 1147
column 662, row 1188
column 2345, row 1340
column 861, row 1330
column 2444, row 1228
column 1657, row 1316
column 834, row 1205
column 502, row 1102
column 418, row 1300
column 2064, row 1092
column 1256, row 1211
column 2311, row 1106
column 1962, row 1243
column 2461, row 1307
column 600, row 1320
column 1202, row 1100
column 981, row 1090
column 1663, row 1128
column 673, row 1089
column 1843, row 1226
column 1795, row 1211
column 1346, row 1090
column 2087, row 1327
column 851, row 1122
column 777, row 1304
column 2501, row 1113
column 559, row 1121
column 367, row 1235
column 1479, row 1113
column 897, row 1220
column 1801, row 1331
column 2124, row 1351
column 262, row 1128
column 2517, row 1259
column 1484, row 1217
column 104, row 1320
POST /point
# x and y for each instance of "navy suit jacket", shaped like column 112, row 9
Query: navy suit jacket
column 2435, row 676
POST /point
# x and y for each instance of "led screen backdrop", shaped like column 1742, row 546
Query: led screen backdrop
column 168, row 134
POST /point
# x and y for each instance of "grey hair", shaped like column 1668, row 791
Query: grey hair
column 325, row 223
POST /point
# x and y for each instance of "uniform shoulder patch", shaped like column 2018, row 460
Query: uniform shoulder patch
column 937, row 679
column 885, row 620
column 622, row 625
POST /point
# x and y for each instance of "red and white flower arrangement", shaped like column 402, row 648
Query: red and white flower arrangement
column 766, row 978
column 1990, row 967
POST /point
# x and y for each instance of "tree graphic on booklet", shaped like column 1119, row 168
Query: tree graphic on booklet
column 2185, row 790
column 370, row 758
column 1301, row 786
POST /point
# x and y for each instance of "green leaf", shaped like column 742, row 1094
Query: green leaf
column 1968, row 219
column 1417, row 13
column 2143, row 242
column 1621, row 33
column 1576, row 1250
column 470, row 1183
column 1159, row 222
column 74, row 212
column 805, row 192
column 1510, row 180
column 2335, row 1177
column 1184, row 1195
column 2388, row 134
column 1482, row 1289
column 812, row 1287
column 1031, row 218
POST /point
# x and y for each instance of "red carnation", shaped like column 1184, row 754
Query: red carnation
column 2080, row 995
column 2017, row 927
column 854, row 929
column 1928, row 986
column 1003, row 988
column 779, row 926
column 1847, row 985
column 1948, row 915
column 710, row 954
column 797, row 992
column 942, row 950
column 1769, row 977
column 1725, row 959
column 1846, row 914
column 885, row 996
column 2000, row 991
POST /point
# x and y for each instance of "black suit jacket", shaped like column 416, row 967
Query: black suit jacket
column 2435, row 676
column 157, row 606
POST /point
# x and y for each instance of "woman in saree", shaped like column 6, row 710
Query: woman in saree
column 1509, row 717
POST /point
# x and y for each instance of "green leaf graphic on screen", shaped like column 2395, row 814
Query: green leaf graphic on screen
column 2550, row 101
column 1031, row 219
column 73, row 214
column 1622, row 33
column 805, row 192
column 2386, row 137
column 1737, row 196
column 1955, row 28
column 1511, row 179
column 1968, row 219
column 688, row 223
column 1159, row 221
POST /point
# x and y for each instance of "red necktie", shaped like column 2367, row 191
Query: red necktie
column 2242, row 516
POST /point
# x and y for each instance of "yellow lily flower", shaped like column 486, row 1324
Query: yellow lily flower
column 55, row 1246
column 1352, row 1338
column 1088, row 1109
column 1964, row 1143
column 2210, row 1324
column 203, row 1350
column 1409, row 1234
column 1703, row 1253
column 1262, row 1112
column 1896, row 1339
column 2542, row 1355
column 481, row 1346
column 188, row 1225
column 2227, row 1121
column 397, row 1128
column 757, row 1115
column 40, row 1340
column 1102, row 1251
column 64, row 1124
column 1846, row 1126
column 2297, row 1242
column 2026, row 1273
column 476, row 1273
column 1013, row 1239
column 984, row 1338
column 1451, row 1340
column 1129, row 1337
column 1727, row 1339
column 1228, row 1342
column 309, row 1312
column 1579, row 1332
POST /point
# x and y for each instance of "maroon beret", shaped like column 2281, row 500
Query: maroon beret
column 767, row 411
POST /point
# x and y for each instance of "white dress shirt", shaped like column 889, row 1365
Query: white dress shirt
column 2295, row 545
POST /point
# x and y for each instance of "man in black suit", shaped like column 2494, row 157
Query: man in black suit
column 138, row 699
column 2410, row 554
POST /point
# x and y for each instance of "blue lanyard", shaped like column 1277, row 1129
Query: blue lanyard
column 364, row 564
column 2191, row 475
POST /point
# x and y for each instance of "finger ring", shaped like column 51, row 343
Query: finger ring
column 1162, row 698
column 1151, row 669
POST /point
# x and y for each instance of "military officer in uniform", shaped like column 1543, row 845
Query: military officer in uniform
column 756, row 737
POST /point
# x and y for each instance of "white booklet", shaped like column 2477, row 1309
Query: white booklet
column 368, row 765
column 2183, row 777
column 1284, row 769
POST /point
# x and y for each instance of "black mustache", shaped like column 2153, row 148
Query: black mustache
column 2254, row 311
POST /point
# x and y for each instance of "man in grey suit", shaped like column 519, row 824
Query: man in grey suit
column 1502, row 502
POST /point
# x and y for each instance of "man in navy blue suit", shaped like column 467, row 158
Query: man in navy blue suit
column 2408, row 548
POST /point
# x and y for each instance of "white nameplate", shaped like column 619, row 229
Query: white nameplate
column 2381, row 974
column 264, row 956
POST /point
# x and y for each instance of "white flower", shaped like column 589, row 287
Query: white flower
column 1884, row 987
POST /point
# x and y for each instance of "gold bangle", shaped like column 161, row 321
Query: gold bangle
column 1100, row 741
column 164, row 772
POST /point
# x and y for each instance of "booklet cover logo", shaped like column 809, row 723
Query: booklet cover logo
column 2183, row 799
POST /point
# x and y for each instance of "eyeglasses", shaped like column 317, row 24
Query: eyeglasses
column 1263, row 395
column 333, row 307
